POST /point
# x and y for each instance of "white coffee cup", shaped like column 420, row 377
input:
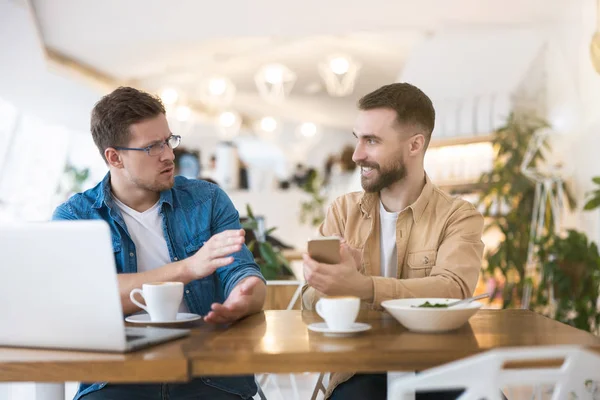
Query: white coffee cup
column 338, row 312
column 162, row 300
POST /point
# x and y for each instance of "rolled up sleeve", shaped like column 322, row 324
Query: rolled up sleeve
column 226, row 217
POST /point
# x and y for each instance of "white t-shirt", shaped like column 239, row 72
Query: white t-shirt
column 389, row 252
column 146, row 231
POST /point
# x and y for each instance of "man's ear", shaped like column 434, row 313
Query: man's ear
column 113, row 158
column 417, row 144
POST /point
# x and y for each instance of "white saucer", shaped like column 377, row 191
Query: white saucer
column 354, row 329
column 145, row 319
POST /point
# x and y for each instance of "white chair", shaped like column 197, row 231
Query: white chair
column 484, row 375
column 296, row 294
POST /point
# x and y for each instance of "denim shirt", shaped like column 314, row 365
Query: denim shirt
column 192, row 211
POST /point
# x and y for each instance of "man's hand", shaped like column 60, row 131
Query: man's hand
column 241, row 302
column 341, row 279
column 215, row 253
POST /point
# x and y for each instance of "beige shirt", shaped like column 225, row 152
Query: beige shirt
column 438, row 241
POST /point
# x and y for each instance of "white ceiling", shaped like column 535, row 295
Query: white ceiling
column 157, row 43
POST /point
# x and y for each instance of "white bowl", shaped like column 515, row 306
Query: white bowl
column 421, row 319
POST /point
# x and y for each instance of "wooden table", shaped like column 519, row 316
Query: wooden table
column 279, row 342
column 162, row 363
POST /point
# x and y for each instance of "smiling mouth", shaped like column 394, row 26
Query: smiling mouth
column 366, row 171
column 168, row 170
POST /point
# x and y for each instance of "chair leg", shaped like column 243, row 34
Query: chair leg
column 261, row 394
column 264, row 379
column 318, row 387
column 295, row 297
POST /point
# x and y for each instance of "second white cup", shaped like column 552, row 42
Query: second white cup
column 162, row 300
column 338, row 312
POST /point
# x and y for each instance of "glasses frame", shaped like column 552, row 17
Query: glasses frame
column 162, row 145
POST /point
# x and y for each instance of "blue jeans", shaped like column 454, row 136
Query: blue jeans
column 194, row 390
column 374, row 387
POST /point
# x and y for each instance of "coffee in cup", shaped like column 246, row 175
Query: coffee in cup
column 162, row 300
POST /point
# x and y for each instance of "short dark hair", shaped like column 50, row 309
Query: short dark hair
column 412, row 106
column 117, row 111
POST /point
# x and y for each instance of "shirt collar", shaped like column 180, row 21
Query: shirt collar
column 368, row 201
column 105, row 197
column 418, row 207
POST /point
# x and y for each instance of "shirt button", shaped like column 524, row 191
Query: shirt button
column 176, row 259
column 131, row 254
column 187, row 291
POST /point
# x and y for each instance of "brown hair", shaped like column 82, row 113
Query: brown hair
column 412, row 106
column 346, row 161
column 117, row 111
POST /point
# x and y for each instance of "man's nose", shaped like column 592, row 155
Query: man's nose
column 168, row 154
column 358, row 154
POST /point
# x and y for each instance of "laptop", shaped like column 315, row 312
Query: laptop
column 58, row 289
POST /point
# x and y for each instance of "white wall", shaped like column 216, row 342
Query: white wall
column 574, row 110
column 25, row 80
column 471, row 74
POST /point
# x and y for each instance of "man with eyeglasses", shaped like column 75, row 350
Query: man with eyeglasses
column 166, row 228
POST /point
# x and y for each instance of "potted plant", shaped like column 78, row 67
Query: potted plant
column 570, row 273
column 508, row 199
column 273, row 265
column 505, row 184
column 72, row 181
column 312, row 211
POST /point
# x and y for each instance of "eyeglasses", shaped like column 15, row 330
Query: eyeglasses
column 157, row 149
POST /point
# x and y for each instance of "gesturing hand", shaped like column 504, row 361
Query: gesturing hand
column 237, row 305
column 215, row 253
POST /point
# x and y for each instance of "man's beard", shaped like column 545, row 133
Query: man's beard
column 385, row 176
column 155, row 186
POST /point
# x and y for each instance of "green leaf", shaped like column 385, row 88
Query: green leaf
column 266, row 251
column 252, row 225
column 249, row 211
column 271, row 230
column 251, row 245
column 592, row 204
column 596, row 180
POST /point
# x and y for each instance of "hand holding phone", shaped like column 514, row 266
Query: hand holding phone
column 325, row 250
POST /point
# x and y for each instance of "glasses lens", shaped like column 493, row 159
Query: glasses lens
column 174, row 141
column 156, row 149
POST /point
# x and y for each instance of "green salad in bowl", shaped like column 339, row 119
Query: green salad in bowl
column 427, row 304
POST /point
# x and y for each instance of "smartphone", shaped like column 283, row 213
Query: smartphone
column 325, row 250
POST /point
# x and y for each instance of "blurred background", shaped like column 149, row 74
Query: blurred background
column 264, row 94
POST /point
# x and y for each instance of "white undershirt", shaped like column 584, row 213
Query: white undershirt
column 146, row 231
column 389, row 252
